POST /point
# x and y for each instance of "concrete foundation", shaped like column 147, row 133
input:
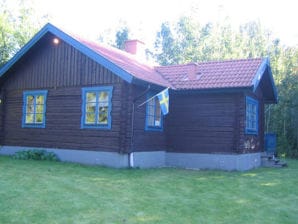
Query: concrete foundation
column 229, row 162
column 149, row 159
column 240, row 162
column 110, row 159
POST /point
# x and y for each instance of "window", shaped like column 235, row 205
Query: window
column 96, row 107
column 154, row 118
column 252, row 109
column 34, row 109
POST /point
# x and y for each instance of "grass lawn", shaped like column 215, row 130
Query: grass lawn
column 53, row 192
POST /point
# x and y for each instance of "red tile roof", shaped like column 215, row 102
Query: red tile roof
column 214, row 74
column 202, row 75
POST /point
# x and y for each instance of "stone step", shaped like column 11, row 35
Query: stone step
column 270, row 160
column 272, row 163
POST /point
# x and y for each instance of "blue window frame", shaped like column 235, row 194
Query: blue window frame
column 252, row 114
column 97, row 107
column 34, row 109
column 154, row 117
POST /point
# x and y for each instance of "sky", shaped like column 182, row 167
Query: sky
column 94, row 18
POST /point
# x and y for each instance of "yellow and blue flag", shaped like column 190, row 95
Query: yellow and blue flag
column 163, row 98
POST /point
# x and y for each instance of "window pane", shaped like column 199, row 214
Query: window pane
column 253, row 108
column 30, row 104
column 40, row 99
column 103, row 96
column 103, row 104
column 150, row 121
column 253, row 125
column 39, row 108
column 30, row 99
column 151, row 103
column 30, row 108
column 90, row 107
column 90, row 118
column 150, row 111
column 39, row 118
column 29, row 118
column 157, row 109
column 91, row 97
column 157, row 121
column 103, row 115
column 151, row 108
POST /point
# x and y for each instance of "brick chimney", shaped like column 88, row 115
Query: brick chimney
column 135, row 47
column 193, row 72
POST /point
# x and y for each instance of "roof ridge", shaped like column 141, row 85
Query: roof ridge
column 232, row 60
column 211, row 61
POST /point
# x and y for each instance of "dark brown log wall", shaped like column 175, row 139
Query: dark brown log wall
column 145, row 140
column 63, row 71
column 213, row 123
column 204, row 123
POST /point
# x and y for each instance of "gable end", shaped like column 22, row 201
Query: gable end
column 265, row 70
column 71, row 41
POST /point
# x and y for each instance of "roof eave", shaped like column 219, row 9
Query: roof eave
column 141, row 82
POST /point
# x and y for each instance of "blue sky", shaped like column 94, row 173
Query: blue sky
column 92, row 18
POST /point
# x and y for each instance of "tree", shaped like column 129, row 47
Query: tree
column 165, row 45
column 18, row 24
column 187, row 41
column 283, row 117
column 121, row 37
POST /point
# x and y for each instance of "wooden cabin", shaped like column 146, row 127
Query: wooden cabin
column 81, row 100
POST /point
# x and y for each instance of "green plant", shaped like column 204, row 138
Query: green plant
column 36, row 154
column 51, row 192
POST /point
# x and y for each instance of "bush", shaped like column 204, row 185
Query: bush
column 36, row 154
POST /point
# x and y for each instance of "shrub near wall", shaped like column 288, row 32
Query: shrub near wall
column 35, row 154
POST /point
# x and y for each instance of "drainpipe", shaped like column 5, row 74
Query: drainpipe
column 131, row 151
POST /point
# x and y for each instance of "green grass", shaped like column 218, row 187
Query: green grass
column 53, row 192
